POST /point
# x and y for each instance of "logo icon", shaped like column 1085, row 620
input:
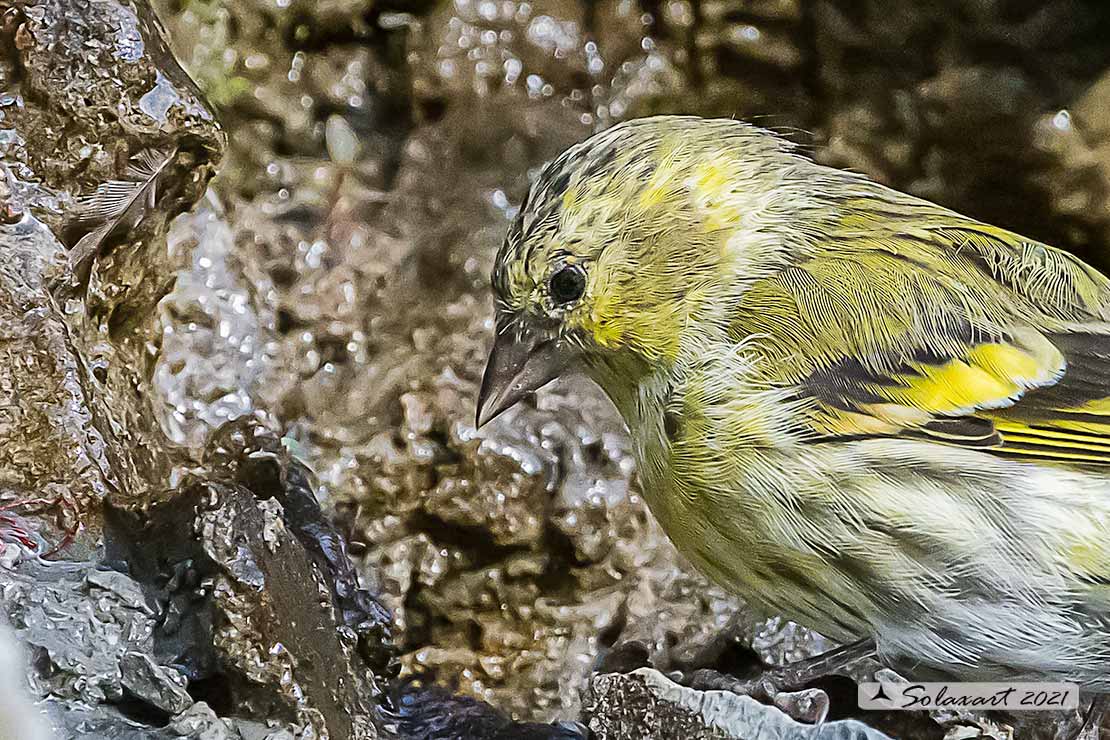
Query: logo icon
column 880, row 695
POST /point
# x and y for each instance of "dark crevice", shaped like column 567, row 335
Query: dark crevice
column 474, row 539
column 141, row 711
column 216, row 691
column 420, row 623
column 607, row 637
column 559, row 577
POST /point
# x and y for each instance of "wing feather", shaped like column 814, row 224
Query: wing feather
column 965, row 334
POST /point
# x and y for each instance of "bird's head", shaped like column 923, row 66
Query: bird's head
column 623, row 242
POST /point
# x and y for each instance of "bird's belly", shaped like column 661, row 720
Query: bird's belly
column 746, row 561
column 970, row 564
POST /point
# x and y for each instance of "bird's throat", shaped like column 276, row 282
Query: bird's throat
column 638, row 389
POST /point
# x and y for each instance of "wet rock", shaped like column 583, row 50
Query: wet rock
column 76, row 635
column 125, row 589
column 161, row 687
column 226, row 626
column 89, row 89
column 256, row 459
column 90, row 651
column 807, row 688
column 111, row 84
column 646, row 704
column 200, row 721
column 433, row 713
column 289, row 661
column 56, row 449
column 218, row 344
column 263, row 612
column 74, row 719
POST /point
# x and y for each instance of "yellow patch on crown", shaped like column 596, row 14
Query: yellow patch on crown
column 663, row 183
column 710, row 179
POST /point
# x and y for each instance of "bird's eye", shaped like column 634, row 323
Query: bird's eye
column 567, row 285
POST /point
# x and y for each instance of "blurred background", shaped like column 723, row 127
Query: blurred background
column 334, row 281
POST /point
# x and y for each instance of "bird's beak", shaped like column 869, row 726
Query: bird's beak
column 519, row 363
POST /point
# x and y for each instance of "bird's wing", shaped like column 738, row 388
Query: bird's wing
column 966, row 334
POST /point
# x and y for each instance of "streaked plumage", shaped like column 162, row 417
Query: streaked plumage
column 861, row 410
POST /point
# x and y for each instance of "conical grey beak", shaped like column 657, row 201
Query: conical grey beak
column 519, row 363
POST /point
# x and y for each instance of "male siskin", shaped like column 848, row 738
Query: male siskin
column 855, row 408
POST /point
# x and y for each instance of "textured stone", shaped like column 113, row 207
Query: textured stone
column 87, row 88
column 259, row 596
column 161, row 687
column 645, row 705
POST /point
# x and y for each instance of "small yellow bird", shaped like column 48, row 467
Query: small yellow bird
column 853, row 407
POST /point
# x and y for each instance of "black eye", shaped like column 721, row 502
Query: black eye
column 568, row 284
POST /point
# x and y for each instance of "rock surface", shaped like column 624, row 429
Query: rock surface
column 225, row 608
column 88, row 87
column 647, row 702
column 332, row 285
column 256, row 626
column 219, row 610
